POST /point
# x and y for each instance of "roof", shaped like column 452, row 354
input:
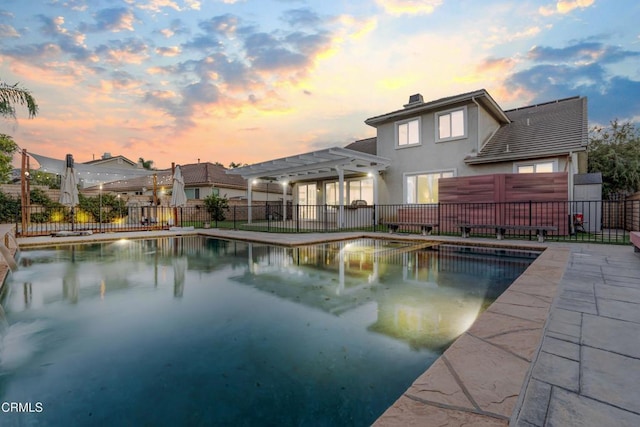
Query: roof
column 413, row 108
column 195, row 175
column 368, row 146
column 587, row 178
column 315, row 164
column 549, row 129
column 110, row 159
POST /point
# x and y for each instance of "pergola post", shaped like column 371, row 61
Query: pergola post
column 249, row 201
column 340, row 197
column 284, row 200
column 375, row 175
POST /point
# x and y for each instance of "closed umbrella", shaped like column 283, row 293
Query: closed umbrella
column 178, row 196
column 69, row 188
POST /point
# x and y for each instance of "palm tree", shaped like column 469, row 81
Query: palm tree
column 12, row 95
column 146, row 164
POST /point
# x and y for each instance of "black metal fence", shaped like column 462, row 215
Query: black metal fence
column 590, row 221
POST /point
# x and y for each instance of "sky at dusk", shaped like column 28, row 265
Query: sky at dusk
column 252, row 80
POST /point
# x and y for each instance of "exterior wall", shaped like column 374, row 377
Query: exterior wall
column 431, row 156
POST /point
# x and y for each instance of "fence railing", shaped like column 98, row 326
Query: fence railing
column 593, row 221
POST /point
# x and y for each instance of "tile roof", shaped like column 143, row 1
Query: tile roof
column 195, row 175
column 367, row 145
column 549, row 129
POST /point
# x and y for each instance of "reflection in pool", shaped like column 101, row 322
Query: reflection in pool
column 197, row 331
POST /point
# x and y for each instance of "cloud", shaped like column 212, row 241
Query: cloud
column 301, row 18
column 609, row 97
column 220, row 25
column 564, row 6
column 77, row 5
column 126, row 51
column 114, row 20
column 7, row 31
column 502, row 35
column 584, row 52
column 168, row 51
column 409, row 7
column 176, row 27
column 294, row 51
column 496, row 65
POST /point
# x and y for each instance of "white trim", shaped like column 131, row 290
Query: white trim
column 534, row 163
column 465, row 120
column 396, row 134
column 454, row 171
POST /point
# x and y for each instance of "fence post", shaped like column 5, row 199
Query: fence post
column 373, row 217
column 268, row 213
column 297, row 217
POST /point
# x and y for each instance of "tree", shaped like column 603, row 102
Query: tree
column 50, row 180
column 216, row 206
column 234, row 165
column 615, row 152
column 12, row 95
column 147, row 164
column 7, row 149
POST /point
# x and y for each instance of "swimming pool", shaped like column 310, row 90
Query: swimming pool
column 201, row 331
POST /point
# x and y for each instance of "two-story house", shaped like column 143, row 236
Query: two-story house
column 469, row 134
column 415, row 147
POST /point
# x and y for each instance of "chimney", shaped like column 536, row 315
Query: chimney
column 414, row 100
column 106, row 156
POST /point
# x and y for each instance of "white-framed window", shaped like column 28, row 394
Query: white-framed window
column 408, row 133
column 544, row 166
column 423, row 187
column 451, row 124
column 354, row 189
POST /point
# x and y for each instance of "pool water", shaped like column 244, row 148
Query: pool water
column 200, row 331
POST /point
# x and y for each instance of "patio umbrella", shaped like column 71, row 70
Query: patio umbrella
column 69, row 187
column 178, row 197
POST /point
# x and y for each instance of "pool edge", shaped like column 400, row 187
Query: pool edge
column 479, row 378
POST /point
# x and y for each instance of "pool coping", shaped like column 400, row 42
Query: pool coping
column 480, row 377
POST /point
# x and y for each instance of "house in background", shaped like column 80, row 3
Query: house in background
column 415, row 147
column 201, row 180
column 119, row 162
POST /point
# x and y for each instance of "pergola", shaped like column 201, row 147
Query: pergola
column 326, row 163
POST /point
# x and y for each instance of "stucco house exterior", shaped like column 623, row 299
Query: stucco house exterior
column 469, row 134
column 462, row 135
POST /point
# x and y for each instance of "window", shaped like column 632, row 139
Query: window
column 423, row 188
column 360, row 189
column 451, row 125
column 194, row 193
column 540, row 167
column 408, row 133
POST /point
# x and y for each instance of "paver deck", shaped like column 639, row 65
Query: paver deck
column 560, row 347
column 587, row 372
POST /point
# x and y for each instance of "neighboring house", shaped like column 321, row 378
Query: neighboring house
column 201, row 180
column 416, row 146
column 118, row 162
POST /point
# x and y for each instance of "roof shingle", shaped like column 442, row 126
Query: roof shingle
column 549, row 129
